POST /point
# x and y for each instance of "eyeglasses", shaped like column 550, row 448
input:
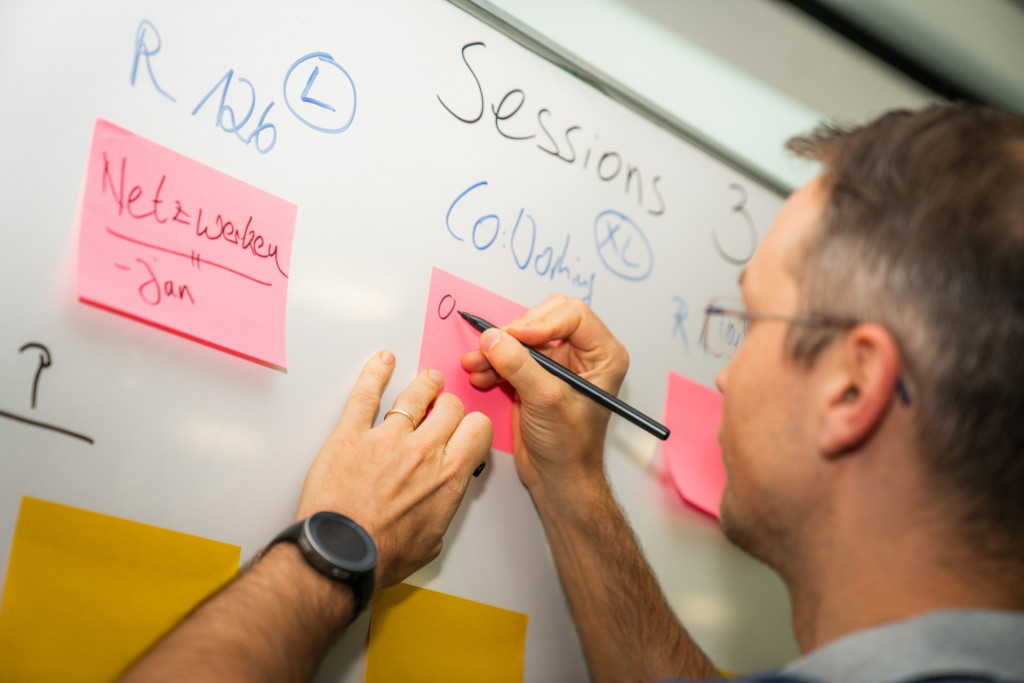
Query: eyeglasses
column 726, row 323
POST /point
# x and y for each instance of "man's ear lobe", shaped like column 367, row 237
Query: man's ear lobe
column 861, row 391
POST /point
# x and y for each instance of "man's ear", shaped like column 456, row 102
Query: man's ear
column 860, row 390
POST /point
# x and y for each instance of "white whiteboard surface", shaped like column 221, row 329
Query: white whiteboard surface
column 193, row 439
column 713, row 96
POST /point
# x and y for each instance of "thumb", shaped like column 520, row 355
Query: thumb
column 511, row 360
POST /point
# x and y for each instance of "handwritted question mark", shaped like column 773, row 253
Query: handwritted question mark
column 44, row 362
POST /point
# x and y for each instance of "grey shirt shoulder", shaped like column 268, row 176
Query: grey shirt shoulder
column 979, row 642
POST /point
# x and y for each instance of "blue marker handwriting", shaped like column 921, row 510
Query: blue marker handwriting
column 679, row 320
column 317, row 90
column 147, row 44
column 230, row 123
column 470, row 221
column 327, row 103
column 622, row 246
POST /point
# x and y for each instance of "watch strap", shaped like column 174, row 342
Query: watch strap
column 361, row 583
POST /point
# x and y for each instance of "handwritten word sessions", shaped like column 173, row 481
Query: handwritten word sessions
column 220, row 228
column 608, row 165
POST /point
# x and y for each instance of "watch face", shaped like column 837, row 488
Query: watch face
column 343, row 541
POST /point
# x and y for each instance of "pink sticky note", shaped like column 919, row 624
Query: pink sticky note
column 446, row 337
column 693, row 455
column 171, row 242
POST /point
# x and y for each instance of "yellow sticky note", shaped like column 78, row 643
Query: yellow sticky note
column 86, row 593
column 421, row 635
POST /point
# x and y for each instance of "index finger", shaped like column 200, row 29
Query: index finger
column 364, row 399
column 559, row 317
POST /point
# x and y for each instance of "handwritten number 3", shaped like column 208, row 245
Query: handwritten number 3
column 740, row 208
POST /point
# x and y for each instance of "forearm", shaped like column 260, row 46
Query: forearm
column 628, row 630
column 274, row 623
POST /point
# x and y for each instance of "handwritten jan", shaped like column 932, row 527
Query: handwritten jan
column 181, row 246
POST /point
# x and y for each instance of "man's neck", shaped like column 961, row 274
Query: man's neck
column 876, row 575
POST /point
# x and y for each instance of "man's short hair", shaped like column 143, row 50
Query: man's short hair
column 924, row 234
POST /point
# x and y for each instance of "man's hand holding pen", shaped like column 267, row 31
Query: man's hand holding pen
column 559, row 432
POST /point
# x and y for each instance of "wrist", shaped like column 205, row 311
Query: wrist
column 333, row 602
column 571, row 498
column 339, row 549
column 563, row 469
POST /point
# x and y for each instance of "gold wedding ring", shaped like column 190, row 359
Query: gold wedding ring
column 402, row 412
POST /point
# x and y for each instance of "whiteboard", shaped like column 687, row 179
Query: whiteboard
column 435, row 138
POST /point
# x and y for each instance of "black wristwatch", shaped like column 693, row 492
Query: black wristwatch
column 339, row 549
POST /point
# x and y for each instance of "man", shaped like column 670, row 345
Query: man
column 871, row 431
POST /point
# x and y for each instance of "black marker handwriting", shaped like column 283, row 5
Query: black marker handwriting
column 44, row 362
column 440, row 306
column 45, row 425
column 571, row 146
